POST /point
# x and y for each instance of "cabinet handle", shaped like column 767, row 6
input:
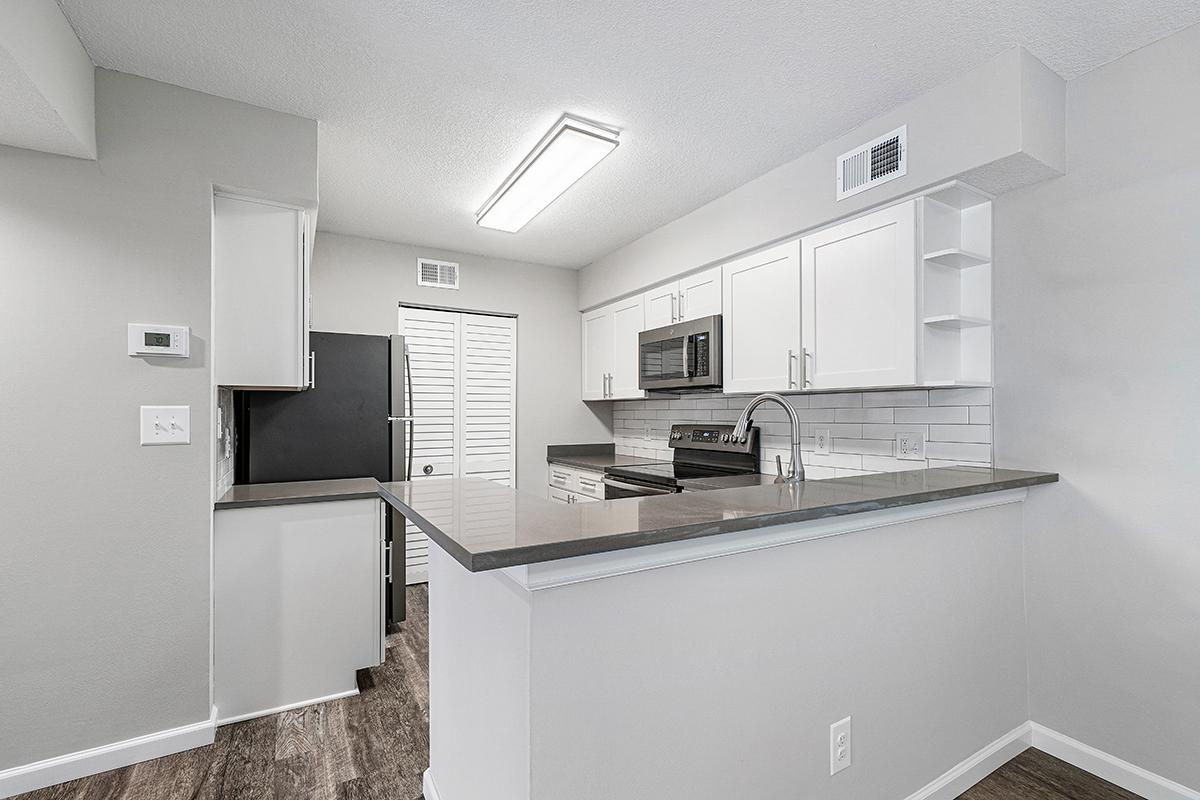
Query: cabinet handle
column 681, row 296
column 674, row 318
column 387, row 548
column 804, row 366
column 312, row 369
column 791, row 358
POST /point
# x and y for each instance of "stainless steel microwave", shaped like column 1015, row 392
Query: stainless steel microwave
column 684, row 357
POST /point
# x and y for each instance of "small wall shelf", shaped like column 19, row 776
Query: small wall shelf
column 957, row 258
column 956, row 287
column 956, row 321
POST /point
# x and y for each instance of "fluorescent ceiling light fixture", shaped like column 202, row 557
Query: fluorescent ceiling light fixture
column 564, row 155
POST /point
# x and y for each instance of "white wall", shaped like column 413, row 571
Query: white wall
column 47, row 82
column 358, row 285
column 998, row 126
column 1097, row 376
column 104, row 577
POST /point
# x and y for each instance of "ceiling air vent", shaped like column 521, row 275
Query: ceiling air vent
column 874, row 163
column 441, row 274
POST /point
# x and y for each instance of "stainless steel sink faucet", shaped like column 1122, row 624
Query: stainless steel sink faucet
column 795, row 471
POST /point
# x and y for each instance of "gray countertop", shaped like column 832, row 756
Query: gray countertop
column 514, row 528
column 279, row 494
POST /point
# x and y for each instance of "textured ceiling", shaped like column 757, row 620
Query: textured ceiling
column 426, row 107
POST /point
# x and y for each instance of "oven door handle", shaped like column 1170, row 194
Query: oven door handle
column 636, row 487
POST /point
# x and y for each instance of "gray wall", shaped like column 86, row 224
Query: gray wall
column 104, row 577
column 1097, row 374
column 998, row 126
column 359, row 283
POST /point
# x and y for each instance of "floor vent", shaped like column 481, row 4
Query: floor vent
column 874, row 163
column 439, row 274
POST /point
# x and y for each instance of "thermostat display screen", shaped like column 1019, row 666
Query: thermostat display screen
column 158, row 339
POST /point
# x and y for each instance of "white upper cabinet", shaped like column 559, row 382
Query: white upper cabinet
column 597, row 352
column 691, row 297
column 662, row 306
column 860, row 302
column 761, row 307
column 700, row 294
column 610, row 350
column 629, row 319
column 260, row 296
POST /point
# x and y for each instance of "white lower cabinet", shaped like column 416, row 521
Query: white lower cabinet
column 571, row 485
column 860, row 301
column 761, row 298
column 298, row 603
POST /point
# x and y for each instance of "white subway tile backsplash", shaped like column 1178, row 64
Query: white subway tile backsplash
column 960, row 433
column 955, row 424
column 840, row 400
column 904, row 397
column 960, row 397
column 980, row 415
column 873, row 447
column 959, row 451
column 946, row 415
column 875, row 415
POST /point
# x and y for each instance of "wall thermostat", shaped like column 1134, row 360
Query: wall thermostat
column 158, row 340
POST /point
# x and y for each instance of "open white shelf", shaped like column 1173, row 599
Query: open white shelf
column 956, row 287
column 957, row 258
column 956, row 321
column 959, row 196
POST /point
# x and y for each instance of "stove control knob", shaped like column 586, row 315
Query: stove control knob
column 725, row 438
column 743, row 440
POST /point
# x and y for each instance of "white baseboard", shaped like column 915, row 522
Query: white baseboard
column 50, row 771
column 1110, row 768
column 975, row 768
column 427, row 788
column 266, row 712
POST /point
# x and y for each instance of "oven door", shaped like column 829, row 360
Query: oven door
column 684, row 356
column 618, row 488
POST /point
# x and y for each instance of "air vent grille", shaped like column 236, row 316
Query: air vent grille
column 439, row 274
column 874, row 163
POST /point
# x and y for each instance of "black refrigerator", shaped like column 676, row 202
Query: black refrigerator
column 355, row 421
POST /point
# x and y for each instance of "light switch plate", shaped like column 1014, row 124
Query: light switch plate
column 166, row 425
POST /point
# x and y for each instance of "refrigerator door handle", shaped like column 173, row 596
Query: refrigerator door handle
column 400, row 419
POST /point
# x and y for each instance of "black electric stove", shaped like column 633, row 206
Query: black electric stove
column 700, row 451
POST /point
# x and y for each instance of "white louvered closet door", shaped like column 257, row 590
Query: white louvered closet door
column 489, row 379
column 464, row 407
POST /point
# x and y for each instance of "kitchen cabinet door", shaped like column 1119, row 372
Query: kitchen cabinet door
column 700, row 294
column 860, row 301
column 596, row 361
column 260, row 295
column 629, row 319
column 662, row 306
column 760, row 297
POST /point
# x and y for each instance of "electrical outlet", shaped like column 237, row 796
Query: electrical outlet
column 647, row 431
column 910, row 446
column 824, row 442
column 839, row 746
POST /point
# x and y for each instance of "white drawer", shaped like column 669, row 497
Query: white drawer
column 590, row 484
column 558, row 495
column 563, row 478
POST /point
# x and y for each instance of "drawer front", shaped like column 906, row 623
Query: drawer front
column 558, row 495
column 563, row 478
column 591, row 484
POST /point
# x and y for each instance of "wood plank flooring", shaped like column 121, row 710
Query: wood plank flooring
column 1034, row 775
column 376, row 746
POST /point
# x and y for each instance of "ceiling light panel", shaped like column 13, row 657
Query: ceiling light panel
column 564, row 155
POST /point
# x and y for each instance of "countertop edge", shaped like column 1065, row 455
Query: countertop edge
column 316, row 496
column 556, row 551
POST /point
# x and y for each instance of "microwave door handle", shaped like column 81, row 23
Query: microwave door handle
column 689, row 356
